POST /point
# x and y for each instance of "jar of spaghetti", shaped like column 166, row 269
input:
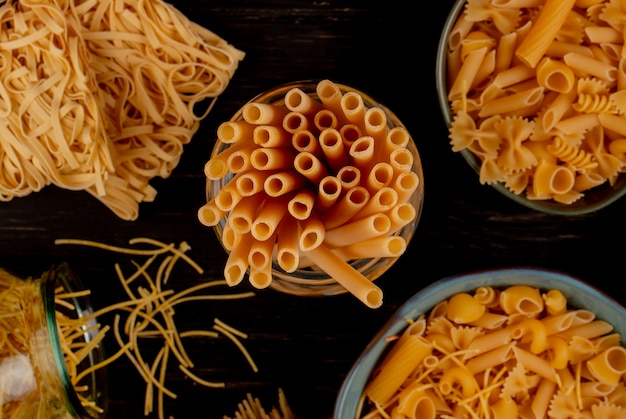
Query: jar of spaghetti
column 48, row 342
column 329, row 178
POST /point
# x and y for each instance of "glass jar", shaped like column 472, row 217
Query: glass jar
column 35, row 381
column 312, row 281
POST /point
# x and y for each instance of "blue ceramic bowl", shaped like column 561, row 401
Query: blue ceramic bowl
column 578, row 293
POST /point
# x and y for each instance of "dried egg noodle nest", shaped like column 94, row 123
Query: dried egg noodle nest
column 100, row 95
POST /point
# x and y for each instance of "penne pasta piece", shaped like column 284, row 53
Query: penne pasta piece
column 351, row 279
column 464, row 80
column 298, row 101
column 555, row 75
column 271, row 136
column 348, row 205
column 535, row 364
column 287, row 246
column 578, row 123
column 272, row 158
column 264, row 114
column 309, row 166
column 355, row 231
column 613, row 123
column 513, row 75
column 526, row 99
column 230, row 132
column 301, row 205
column 551, row 18
column 591, row 66
column 541, row 402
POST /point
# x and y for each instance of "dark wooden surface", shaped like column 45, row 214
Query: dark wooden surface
column 307, row 345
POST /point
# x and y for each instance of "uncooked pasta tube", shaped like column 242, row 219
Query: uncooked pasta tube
column 295, row 121
column 230, row 132
column 330, row 95
column 328, row 192
column 383, row 246
column 251, row 182
column 288, row 249
column 275, row 158
column 309, row 166
column 354, row 109
column 401, row 215
column 312, row 233
column 325, row 119
column 397, row 138
column 349, row 177
column 271, row 136
column 268, row 218
column 401, row 160
column 243, row 214
column 239, row 161
column 333, row 149
column 264, row 114
column 351, row 279
column 280, row 183
column 348, row 205
column 301, row 205
column 349, row 134
column 356, row 231
column 382, row 200
column 376, row 124
column 260, row 278
column 304, row 140
column 217, row 167
column 260, row 253
column 209, row 214
column 228, row 196
column 362, row 152
column 237, row 261
column 405, row 184
column 298, row 101
column 379, row 176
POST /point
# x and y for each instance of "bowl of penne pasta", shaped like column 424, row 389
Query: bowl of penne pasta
column 533, row 99
column 503, row 343
column 313, row 188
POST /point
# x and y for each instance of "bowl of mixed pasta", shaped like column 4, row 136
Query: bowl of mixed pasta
column 534, row 100
column 314, row 189
column 503, row 343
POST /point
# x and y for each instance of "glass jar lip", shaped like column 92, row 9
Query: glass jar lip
column 71, row 282
column 308, row 282
column 593, row 200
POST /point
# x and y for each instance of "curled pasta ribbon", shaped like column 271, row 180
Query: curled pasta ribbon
column 594, row 103
column 577, row 158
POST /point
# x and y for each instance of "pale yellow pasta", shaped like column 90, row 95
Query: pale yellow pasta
column 384, row 246
column 349, row 177
column 405, row 184
column 521, row 299
column 542, row 33
column 514, row 75
column 401, row 215
column 251, row 182
column 274, row 158
column 288, row 251
column 551, row 179
column 350, row 133
column 304, row 141
column 346, row 207
column 523, row 101
column 308, row 165
column 591, row 66
column 330, row 95
column 464, row 80
column 271, row 136
column 230, row 132
column 298, row 101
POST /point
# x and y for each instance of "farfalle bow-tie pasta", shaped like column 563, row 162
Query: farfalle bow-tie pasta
column 537, row 93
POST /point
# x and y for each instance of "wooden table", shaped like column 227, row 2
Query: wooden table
column 307, row 345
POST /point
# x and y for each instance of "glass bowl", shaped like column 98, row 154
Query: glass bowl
column 579, row 295
column 311, row 281
column 594, row 199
